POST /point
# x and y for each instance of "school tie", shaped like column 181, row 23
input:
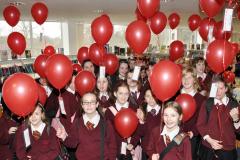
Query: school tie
column 134, row 94
column 36, row 135
column 167, row 139
column 89, row 125
column 153, row 112
column 104, row 99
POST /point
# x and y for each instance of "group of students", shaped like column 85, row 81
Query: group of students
column 85, row 124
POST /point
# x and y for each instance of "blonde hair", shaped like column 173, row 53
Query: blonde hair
column 193, row 72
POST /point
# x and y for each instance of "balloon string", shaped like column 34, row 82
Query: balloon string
column 224, row 48
column 161, row 120
column 158, row 43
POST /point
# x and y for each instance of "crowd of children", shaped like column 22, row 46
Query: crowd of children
column 70, row 126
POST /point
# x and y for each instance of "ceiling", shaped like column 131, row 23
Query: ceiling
column 120, row 11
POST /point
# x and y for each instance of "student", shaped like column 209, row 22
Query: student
column 136, row 96
column 217, row 123
column 105, row 97
column 190, row 86
column 124, row 146
column 121, row 74
column 89, row 66
column 152, row 119
column 159, row 140
column 204, row 79
column 36, row 140
column 91, row 134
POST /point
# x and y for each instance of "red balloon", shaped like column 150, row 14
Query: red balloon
column 111, row 63
column 219, row 33
column 158, row 22
column 219, row 55
column 165, row 79
column 173, row 20
column 204, row 27
column 101, row 29
column 77, row 67
column 82, row 54
column 229, row 77
column 126, row 122
column 176, row 50
column 96, row 54
column 211, row 7
column 42, row 95
column 16, row 42
column 148, row 7
column 188, row 105
column 194, row 22
column 12, row 15
column 40, row 64
column 20, row 94
column 39, row 12
column 139, row 16
column 58, row 70
column 84, row 82
column 138, row 36
column 235, row 48
column 49, row 50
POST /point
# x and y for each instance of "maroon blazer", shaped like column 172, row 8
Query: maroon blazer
column 219, row 126
column 191, row 124
column 6, row 140
column 88, row 142
column 156, row 145
column 136, row 102
column 46, row 148
column 206, row 83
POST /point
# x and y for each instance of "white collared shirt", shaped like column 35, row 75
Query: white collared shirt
column 203, row 76
column 171, row 134
column 40, row 128
column 48, row 90
column 192, row 93
column 119, row 106
column 95, row 120
column 103, row 94
column 224, row 101
column 70, row 90
column 156, row 107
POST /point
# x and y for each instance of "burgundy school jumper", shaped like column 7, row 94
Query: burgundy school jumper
column 88, row 142
column 156, row 145
column 45, row 148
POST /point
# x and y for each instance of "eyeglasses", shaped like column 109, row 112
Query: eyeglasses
column 89, row 103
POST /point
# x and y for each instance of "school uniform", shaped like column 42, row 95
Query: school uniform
column 136, row 98
column 43, row 147
column 6, row 140
column 190, row 125
column 122, row 152
column 219, row 126
column 158, row 142
column 205, row 81
column 104, row 100
column 88, row 139
column 152, row 120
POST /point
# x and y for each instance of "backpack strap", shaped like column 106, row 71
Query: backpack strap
column 113, row 110
column 103, row 128
column 177, row 140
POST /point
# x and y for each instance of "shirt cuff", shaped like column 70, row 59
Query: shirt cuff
column 205, row 137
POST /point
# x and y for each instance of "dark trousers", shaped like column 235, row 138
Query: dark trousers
column 210, row 154
column 195, row 144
